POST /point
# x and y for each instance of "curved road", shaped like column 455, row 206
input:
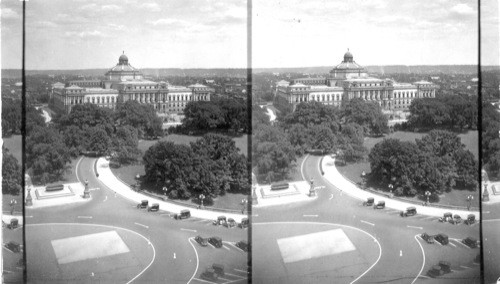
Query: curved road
column 177, row 259
column 404, row 257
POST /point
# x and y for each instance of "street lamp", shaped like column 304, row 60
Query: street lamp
column 427, row 194
column 244, row 202
column 469, row 201
column 86, row 191
column 486, row 195
column 390, row 189
column 202, row 197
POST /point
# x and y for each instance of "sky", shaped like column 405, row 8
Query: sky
column 490, row 32
column 296, row 33
column 81, row 34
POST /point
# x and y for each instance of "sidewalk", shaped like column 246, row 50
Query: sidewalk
column 6, row 218
column 107, row 177
column 333, row 176
column 493, row 198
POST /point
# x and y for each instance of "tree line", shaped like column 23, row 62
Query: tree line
column 212, row 165
column 313, row 126
column 436, row 163
column 490, row 143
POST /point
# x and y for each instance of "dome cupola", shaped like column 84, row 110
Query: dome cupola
column 348, row 56
column 123, row 60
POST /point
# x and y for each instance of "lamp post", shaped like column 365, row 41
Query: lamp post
column 29, row 199
column 469, row 201
column 201, row 197
column 363, row 177
column 390, row 190
column 486, row 195
column 427, row 194
column 244, row 203
column 86, row 192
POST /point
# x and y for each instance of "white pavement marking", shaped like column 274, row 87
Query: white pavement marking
column 486, row 212
column 423, row 261
column 229, row 280
column 201, row 280
column 400, row 253
column 28, row 216
column 211, row 245
column 302, row 167
column 164, row 214
column 189, row 230
column 107, row 226
column 362, row 221
column 175, row 256
column 139, row 224
column 414, row 227
column 491, row 220
column 463, row 244
column 392, row 212
column 233, row 245
column 197, row 261
column 310, row 215
column 234, row 275
column 105, row 198
column 424, row 276
column 84, row 217
column 239, row 270
column 453, row 244
column 226, row 247
column 255, row 215
column 76, row 169
column 331, row 196
column 465, row 267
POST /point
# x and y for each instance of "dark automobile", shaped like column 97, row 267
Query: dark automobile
column 143, row 204
column 13, row 246
column 215, row 241
column 244, row 223
column 183, row 215
column 442, row 239
column 446, row 217
column 14, row 223
column 471, row 219
column 456, row 219
column 435, row 271
column 243, row 245
column 154, row 207
column 218, row 268
column 445, row 266
column 428, row 238
column 230, row 223
column 202, row 241
column 369, row 201
column 379, row 205
column 209, row 275
column 470, row 242
column 410, row 211
column 221, row 220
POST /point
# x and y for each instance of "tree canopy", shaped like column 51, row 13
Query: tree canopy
column 11, row 173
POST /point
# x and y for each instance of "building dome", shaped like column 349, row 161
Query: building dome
column 123, row 59
column 348, row 56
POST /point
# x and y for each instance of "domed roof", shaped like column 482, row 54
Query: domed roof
column 123, row 59
column 348, row 56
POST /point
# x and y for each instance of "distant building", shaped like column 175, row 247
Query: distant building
column 350, row 80
column 123, row 83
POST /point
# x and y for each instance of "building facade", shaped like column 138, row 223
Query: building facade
column 123, row 83
column 349, row 80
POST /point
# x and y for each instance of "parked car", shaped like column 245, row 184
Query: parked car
column 456, row 219
column 13, row 246
column 154, row 207
column 202, row 241
column 14, row 223
column 379, row 205
column 143, row 204
column 470, row 242
column 410, row 211
column 442, row 239
column 471, row 219
column 446, row 217
column 184, row 214
column 215, row 241
column 218, row 268
column 435, row 271
column 244, row 223
column 428, row 238
column 369, row 201
column 243, row 245
column 210, row 275
column 445, row 266
column 230, row 223
column 221, row 220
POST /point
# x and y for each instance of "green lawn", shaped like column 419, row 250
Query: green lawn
column 455, row 197
column 14, row 144
column 128, row 173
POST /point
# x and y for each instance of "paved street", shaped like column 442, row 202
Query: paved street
column 403, row 256
column 155, row 248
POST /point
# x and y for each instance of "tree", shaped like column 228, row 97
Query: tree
column 314, row 113
column 272, row 153
column 11, row 117
column 140, row 116
column 366, row 114
column 46, row 154
column 87, row 116
column 440, row 143
column 11, row 173
column 125, row 145
column 99, row 140
column 202, row 115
